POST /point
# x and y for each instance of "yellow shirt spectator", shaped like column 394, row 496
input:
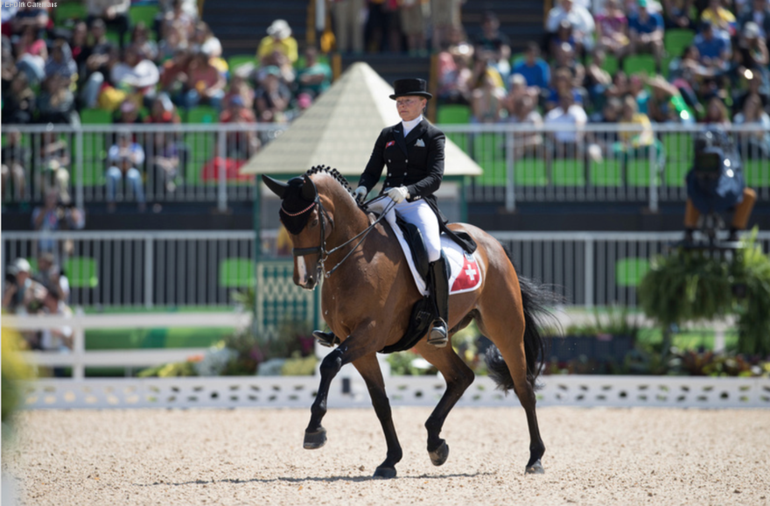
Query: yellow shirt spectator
column 278, row 39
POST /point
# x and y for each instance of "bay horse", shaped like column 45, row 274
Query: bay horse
column 367, row 298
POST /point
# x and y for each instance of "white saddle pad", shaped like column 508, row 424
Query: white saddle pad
column 464, row 272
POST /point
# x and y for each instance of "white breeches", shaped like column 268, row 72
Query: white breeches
column 418, row 213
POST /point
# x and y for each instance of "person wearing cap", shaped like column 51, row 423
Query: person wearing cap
column 278, row 39
column 21, row 292
column 413, row 151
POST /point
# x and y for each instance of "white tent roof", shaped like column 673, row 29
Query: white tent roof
column 340, row 129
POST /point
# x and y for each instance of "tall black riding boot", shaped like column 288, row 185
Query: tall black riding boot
column 439, row 279
column 327, row 339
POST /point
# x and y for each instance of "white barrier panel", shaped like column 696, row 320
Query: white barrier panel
column 299, row 392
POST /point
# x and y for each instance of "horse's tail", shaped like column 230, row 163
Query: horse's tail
column 535, row 299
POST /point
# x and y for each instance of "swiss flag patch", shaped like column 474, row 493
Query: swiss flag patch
column 389, row 144
column 469, row 276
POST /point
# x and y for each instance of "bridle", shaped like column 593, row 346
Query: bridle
column 321, row 248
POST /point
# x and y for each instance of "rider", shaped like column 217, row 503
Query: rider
column 413, row 151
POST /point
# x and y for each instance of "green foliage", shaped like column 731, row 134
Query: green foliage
column 299, row 366
column 692, row 285
column 408, row 363
column 14, row 370
column 170, row 370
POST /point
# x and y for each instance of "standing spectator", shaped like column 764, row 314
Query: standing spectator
column 53, row 216
column 272, row 97
column 646, row 32
column 455, row 75
column 713, row 47
column 581, row 20
column 315, row 77
column 57, row 103
column 240, row 145
column 677, row 14
column 721, row 18
column 114, row 13
column 488, row 98
column 612, row 29
column 136, row 75
column 55, row 160
column 754, row 144
column 377, row 26
column 494, row 46
column 278, row 39
column 446, row 18
column 19, row 105
column 15, row 157
column 204, row 83
column 759, row 14
column 124, row 158
column 413, row 26
column 534, row 69
column 347, row 25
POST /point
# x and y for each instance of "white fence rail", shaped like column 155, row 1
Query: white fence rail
column 299, row 392
column 520, row 163
column 202, row 268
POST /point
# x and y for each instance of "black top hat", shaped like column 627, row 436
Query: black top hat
column 409, row 87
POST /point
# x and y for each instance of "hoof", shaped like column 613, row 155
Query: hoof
column 439, row 456
column 536, row 468
column 385, row 473
column 314, row 440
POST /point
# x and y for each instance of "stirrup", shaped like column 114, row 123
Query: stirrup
column 327, row 339
column 438, row 336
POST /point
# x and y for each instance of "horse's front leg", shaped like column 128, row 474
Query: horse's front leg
column 369, row 369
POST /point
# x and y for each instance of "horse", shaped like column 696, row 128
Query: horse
column 367, row 297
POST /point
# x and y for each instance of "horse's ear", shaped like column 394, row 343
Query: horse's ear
column 309, row 191
column 277, row 187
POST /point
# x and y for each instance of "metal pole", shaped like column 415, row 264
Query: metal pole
column 149, row 267
column 79, row 350
column 79, row 167
column 589, row 273
column 510, row 187
column 653, row 177
column 221, row 161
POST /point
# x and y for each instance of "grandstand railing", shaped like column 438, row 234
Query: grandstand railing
column 204, row 268
column 551, row 170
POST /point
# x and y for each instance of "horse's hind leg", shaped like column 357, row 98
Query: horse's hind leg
column 505, row 328
column 458, row 378
column 370, row 370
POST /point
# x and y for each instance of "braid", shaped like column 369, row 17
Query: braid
column 333, row 173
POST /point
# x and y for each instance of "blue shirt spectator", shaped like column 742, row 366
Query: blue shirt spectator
column 537, row 73
column 712, row 44
column 653, row 22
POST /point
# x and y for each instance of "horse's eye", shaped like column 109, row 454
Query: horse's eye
column 314, row 223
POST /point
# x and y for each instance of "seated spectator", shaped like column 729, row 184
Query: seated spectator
column 181, row 19
column 100, row 56
column 54, row 215
column 566, row 143
column 163, row 162
column 631, row 143
column 689, row 67
column 619, row 87
column 517, row 88
column 752, row 52
column 278, row 39
column 8, row 62
column 753, row 144
column 15, row 157
column 174, row 40
column 114, row 13
column 315, row 77
column 534, row 69
column 677, row 15
column 128, row 114
column 612, row 29
column 637, row 90
column 564, row 42
column 565, row 56
column 22, row 294
column 660, row 106
column 721, row 18
column 51, row 276
column 140, row 39
column 455, row 75
column 713, row 47
column 205, row 85
column 716, row 112
column 488, row 98
column 19, row 104
column 751, row 85
column 494, row 46
column 645, row 29
column 163, row 111
column 30, row 15
column 759, row 14
column 525, row 113
column 61, row 62
column 204, row 38
column 79, row 46
column 562, row 82
column 173, row 76
column 244, row 144
column 123, row 159
column 57, row 103
column 602, row 141
column 31, row 55
column 272, row 97
column 136, row 75
column 597, row 80
column 581, row 20
column 56, row 339
column 239, row 86
column 55, row 158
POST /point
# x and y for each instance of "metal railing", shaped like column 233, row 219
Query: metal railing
column 521, row 163
column 202, row 268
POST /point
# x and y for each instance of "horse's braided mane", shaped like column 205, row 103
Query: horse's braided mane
column 333, row 173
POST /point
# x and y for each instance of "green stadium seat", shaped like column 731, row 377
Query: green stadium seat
column 82, row 272
column 203, row 114
column 607, row 173
column 143, row 13
column 69, row 11
column 461, row 140
column 757, row 172
column 453, row 115
column 679, row 157
column 488, row 152
column 630, row 271
column 568, row 172
column 236, row 273
column 639, row 64
column 94, row 156
column 201, row 146
column 95, row 117
column 530, row 172
column 238, row 60
column 611, row 64
column 675, row 41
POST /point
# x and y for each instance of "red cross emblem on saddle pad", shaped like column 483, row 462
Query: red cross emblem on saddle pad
column 469, row 276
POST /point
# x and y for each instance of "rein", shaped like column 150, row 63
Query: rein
column 322, row 247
